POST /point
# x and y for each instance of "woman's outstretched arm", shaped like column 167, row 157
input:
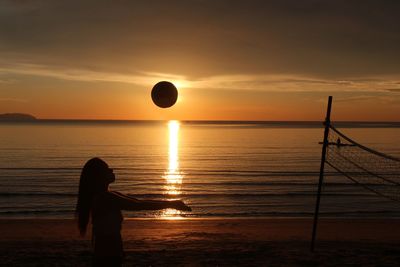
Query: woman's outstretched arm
column 125, row 202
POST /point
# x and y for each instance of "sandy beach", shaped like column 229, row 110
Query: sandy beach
column 209, row 242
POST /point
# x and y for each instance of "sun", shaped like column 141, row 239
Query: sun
column 180, row 84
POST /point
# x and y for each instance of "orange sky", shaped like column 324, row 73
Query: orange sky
column 231, row 60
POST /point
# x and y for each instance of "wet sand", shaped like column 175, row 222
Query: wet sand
column 209, row 242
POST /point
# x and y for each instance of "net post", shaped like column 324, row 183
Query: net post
column 321, row 171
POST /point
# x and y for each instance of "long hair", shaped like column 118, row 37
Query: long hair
column 90, row 183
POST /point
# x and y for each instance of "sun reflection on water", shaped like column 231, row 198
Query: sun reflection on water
column 173, row 177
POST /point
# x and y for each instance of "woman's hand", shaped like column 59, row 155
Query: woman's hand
column 179, row 205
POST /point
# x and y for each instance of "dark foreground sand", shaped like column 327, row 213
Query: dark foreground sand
column 209, row 242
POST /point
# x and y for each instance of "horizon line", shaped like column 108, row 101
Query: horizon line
column 201, row 120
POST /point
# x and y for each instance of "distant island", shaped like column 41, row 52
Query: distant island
column 16, row 117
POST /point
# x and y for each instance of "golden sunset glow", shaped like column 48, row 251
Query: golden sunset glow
column 199, row 132
column 173, row 167
column 173, row 177
column 242, row 67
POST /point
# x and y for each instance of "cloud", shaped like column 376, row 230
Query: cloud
column 250, row 82
column 6, row 81
column 299, row 83
column 355, row 98
column 394, row 90
column 16, row 100
column 143, row 78
column 324, row 39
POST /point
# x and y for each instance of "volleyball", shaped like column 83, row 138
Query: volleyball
column 164, row 94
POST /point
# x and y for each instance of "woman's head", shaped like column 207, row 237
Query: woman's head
column 95, row 178
column 97, row 175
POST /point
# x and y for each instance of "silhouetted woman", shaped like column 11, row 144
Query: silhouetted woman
column 104, row 207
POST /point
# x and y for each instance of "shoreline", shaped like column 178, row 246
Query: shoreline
column 352, row 229
column 209, row 242
column 344, row 218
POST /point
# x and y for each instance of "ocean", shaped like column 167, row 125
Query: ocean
column 220, row 169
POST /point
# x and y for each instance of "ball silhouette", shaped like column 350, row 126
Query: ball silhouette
column 164, row 94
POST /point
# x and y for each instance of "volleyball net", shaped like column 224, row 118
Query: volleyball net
column 373, row 170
